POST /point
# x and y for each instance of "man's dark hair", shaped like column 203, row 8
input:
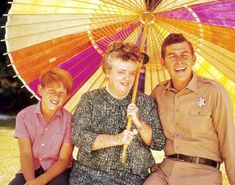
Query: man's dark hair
column 174, row 38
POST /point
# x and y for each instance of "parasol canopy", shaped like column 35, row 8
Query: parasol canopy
column 73, row 34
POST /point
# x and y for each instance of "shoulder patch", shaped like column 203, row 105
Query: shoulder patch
column 214, row 83
column 163, row 82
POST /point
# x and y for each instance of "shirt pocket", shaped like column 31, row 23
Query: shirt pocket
column 199, row 111
column 200, row 120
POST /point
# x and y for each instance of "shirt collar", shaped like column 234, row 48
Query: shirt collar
column 192, row 85
column 38, row 110
column 169, row 86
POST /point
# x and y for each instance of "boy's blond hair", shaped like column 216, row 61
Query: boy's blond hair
column 57, row 75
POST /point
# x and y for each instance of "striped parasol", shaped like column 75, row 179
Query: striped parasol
column 73, row 34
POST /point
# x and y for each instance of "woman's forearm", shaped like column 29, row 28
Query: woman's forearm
column 145, row 132
column 105, row 141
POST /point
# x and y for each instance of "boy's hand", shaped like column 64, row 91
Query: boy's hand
column 37, row 181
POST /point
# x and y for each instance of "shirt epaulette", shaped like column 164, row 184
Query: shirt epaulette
column 163, row 83
column 214, row 83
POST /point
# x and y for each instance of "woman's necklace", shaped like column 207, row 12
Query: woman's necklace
column 116, row 97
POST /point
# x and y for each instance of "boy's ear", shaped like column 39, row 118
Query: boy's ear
column 162, row 61
column 40, row 90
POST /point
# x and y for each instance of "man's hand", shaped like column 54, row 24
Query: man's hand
column 154, row 168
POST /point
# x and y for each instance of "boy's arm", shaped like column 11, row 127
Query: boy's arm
column 57, row 168
column 26, row 158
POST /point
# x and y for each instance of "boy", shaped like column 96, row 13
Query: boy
column 43, row 131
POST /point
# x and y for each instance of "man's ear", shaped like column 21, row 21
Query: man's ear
column 40, row 90
column 162, row 61
column 107, row 72
column 194, row 58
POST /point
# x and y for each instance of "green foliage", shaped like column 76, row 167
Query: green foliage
column 12, row 97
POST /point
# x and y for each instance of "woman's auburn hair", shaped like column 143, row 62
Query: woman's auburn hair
column 123, row 51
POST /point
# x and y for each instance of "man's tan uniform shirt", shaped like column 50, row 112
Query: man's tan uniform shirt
column 198, row 121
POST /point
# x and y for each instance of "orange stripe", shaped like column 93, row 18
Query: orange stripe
column 31, row 61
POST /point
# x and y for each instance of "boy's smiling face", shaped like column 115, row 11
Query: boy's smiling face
column 53, row 96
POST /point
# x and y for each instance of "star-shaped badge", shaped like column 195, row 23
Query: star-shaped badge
column 201, row 101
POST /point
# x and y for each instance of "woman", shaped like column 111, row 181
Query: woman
column 100, row 121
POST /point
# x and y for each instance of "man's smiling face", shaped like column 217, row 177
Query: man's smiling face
column 179, row 61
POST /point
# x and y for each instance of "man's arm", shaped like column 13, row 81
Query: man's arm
column 224, row 125
column 26, row 158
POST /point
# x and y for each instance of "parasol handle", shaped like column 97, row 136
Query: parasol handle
column 133, row 100
column 129, row 121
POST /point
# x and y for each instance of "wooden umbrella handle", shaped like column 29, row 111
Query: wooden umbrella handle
column 124, row 148
column 134, row 94
column 129, row 122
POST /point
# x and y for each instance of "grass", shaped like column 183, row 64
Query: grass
column 9, row 156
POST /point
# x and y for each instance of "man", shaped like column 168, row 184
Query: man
column 196, row 115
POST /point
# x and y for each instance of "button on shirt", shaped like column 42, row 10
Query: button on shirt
column 198, row 121
column 46, row 138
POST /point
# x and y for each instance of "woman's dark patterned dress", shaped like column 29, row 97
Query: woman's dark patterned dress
column 99, row 113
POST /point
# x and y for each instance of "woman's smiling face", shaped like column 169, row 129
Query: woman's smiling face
column 121, row 77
